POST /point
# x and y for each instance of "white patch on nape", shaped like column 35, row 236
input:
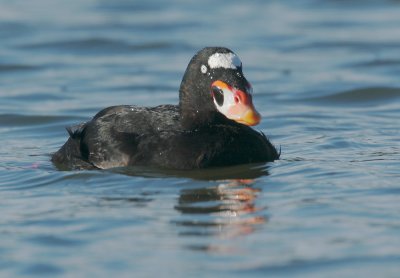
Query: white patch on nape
column 224, row 60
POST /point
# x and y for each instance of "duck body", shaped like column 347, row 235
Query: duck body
column 185, row 136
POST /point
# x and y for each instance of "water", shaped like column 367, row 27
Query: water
column 326, row 80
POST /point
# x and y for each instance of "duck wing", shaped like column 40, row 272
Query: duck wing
column 118, row 136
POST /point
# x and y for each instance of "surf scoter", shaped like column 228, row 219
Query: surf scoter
column 209, row 127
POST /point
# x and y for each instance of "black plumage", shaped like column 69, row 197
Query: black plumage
column 193, row 134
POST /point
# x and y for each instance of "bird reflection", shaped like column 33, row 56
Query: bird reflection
column 227, row 210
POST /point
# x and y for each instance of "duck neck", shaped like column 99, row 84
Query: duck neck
column 194, row 119
column 195, row 114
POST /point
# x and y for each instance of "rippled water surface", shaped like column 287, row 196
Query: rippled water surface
column 326, row 78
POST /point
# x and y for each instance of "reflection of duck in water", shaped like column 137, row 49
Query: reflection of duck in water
column 209, row 127
column 226, row 210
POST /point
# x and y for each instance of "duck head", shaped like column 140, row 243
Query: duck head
column 214, row 89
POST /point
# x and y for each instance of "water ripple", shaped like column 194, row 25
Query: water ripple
column 372, row 96
column 5, row 68
column 95, row 46
column 32, row 120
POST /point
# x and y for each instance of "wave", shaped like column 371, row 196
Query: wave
column 28, row 120
column 96, row 46
column 370, row 96
column 17, row 67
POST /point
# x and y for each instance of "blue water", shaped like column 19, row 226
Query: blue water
column 326, row 81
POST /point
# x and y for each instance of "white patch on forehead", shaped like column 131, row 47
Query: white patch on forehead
column 224, row 60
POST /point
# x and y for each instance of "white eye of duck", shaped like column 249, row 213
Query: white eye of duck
column 203, row 69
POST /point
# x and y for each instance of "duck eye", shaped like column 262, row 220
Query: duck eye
column 203, row 69
column 218, row 95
